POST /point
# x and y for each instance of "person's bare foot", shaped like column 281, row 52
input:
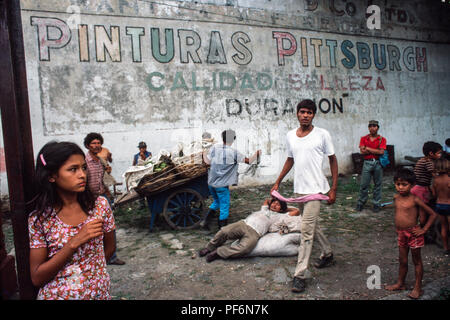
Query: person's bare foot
column 415, row 293
column 395, row 287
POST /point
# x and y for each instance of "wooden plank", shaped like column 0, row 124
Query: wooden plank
column 16, row 135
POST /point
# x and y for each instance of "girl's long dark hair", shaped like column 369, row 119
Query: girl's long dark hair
column 49, row 159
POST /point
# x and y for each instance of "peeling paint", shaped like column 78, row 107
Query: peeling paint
column 137, row 70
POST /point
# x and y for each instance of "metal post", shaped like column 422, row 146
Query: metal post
column 16, row 135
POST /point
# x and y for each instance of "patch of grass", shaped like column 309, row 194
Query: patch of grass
column 171, row 279
column 8, row 234
column 239, row 267
column 168, row 247
column 132, row 215
column 260, row 275
column 444, row 294
column 348, row 186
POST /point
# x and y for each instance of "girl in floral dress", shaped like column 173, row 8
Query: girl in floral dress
column 71, row 232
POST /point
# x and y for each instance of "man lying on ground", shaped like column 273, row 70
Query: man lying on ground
column 249, row 230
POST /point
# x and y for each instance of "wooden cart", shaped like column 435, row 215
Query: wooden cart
column 178, row 193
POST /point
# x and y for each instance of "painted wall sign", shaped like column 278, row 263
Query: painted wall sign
column 109, row 42
column 124, row 74
column 164, row 72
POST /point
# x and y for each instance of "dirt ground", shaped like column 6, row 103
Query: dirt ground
column 163, row 264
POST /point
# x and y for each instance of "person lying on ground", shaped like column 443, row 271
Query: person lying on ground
column 249, row 230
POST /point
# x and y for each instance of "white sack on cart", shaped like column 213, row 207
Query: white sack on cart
column 134, row 174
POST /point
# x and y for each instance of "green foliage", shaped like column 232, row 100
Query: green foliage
column 444, row 294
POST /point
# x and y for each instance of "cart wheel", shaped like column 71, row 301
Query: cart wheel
column 183, row 209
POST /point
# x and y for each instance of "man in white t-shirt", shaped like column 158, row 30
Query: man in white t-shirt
column 306, row 147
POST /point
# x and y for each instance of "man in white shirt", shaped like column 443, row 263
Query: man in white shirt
column 306, row 147
column 249, row 231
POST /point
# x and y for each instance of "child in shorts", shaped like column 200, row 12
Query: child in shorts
column 410, row 234
column 424, row 170
column 441, row 191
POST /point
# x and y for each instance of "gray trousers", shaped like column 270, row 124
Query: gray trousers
column 371, row 170
column 248, row 238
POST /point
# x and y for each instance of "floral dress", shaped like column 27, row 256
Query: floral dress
column 84, row 276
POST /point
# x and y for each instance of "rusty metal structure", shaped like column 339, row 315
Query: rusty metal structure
column 17, row 138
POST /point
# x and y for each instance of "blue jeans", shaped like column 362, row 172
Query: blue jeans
column 221, row 201
column 371, row 169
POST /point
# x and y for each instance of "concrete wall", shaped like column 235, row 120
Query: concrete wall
column 169, row 70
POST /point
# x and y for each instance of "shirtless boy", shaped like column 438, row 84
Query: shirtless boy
column 441, row 191
column 410, row 234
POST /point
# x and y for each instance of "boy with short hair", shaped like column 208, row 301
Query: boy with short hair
column 224, row 161
column 423, row 171
column 410, row 234
column 441, row 191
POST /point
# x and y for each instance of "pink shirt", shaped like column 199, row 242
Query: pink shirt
column 309, row 197
column 84, row 276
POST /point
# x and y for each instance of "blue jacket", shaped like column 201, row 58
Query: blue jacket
column 136, row 157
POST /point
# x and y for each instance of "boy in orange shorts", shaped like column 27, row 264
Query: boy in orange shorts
column 410, row 234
